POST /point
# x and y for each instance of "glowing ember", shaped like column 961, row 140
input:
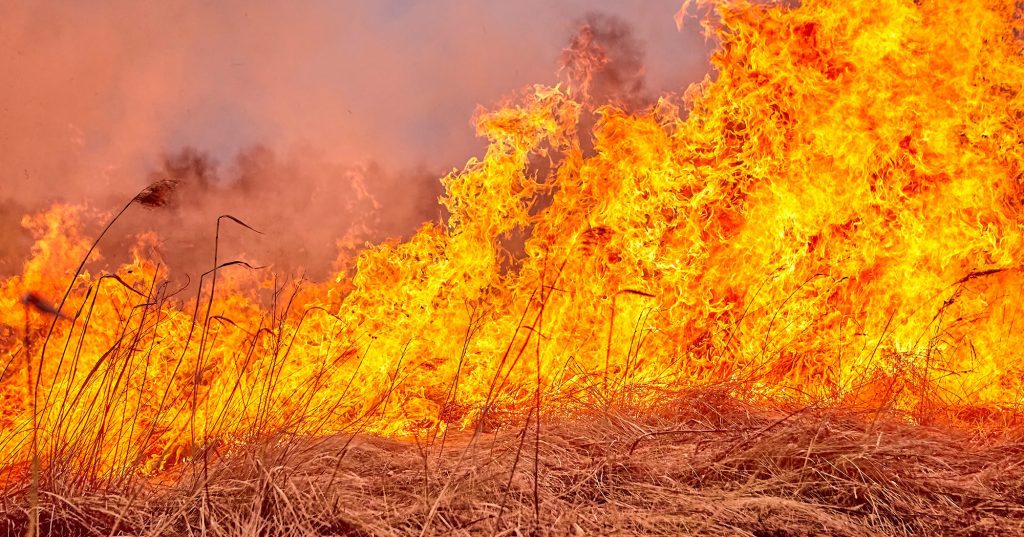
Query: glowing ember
column 836, row 220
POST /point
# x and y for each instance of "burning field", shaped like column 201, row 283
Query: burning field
column 785, row 301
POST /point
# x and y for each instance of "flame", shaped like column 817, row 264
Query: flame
column 836, row 219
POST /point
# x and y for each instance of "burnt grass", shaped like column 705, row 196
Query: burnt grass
column 696, row 464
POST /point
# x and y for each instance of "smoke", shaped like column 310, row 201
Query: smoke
column 313, row 121
column 605, row 61
column 15, row 243
column 308, row 208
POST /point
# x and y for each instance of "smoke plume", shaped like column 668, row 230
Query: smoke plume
column 313, row 122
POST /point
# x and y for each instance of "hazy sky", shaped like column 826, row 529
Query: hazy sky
column 93, row 91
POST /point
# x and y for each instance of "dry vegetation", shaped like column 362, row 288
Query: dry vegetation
column 701, row 464
column 697, row 463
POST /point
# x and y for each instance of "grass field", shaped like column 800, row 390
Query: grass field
column 784, row 302
column 699, row 464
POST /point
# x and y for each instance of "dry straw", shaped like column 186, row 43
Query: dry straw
column 698, row 464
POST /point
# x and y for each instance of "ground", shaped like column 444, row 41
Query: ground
column 701, row 464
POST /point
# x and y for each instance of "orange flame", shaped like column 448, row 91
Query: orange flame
column 837, row 219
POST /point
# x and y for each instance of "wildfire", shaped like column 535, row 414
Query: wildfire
column 836, row 219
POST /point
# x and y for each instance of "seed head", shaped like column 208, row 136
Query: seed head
column 157, row 194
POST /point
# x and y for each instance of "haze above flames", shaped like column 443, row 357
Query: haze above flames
column 299, row 114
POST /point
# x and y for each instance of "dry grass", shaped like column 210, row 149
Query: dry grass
column 702, row 464
column 699, row 463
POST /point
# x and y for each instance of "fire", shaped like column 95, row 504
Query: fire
column 836, row 219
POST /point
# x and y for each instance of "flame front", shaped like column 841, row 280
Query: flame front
column 837, row 219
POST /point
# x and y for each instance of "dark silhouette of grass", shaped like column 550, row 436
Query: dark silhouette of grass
column 696, row 461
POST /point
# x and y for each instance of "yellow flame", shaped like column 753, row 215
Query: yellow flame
column 836, row 219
